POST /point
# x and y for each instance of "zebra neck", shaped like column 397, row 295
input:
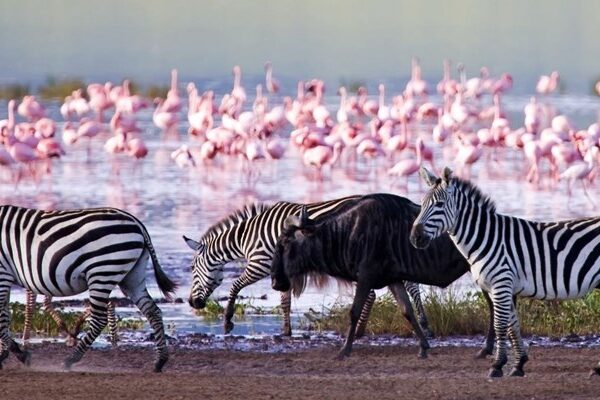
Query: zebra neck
column 474, row 226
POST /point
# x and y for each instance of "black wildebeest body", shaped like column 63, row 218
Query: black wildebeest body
column 367, row 243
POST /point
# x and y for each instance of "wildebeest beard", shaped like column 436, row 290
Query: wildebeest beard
column 300, row 269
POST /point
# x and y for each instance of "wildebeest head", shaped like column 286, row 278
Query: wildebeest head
column 438, row 209
column 289, row 258
column 207, row 274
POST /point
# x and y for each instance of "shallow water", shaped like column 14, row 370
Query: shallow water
column 172, row 202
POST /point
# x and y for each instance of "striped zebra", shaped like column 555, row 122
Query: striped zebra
column 63, row 253
column 71, row 333
column 510, row 256
column 251, row 233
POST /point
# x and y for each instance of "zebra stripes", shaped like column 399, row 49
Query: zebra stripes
column 251, row 233
column 510, row 256
column 61, row 253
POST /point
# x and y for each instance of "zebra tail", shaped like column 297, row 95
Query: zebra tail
column 166, row 285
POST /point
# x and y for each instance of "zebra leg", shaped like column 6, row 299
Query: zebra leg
column 514, row 334
column 286, row 308
column 502, row 312
column 414, row 291
column 364, row 315
column 29, row 309
column 153, row 314
column 8, row 344
column 241, row 282
column 488, row 347
column 98, row 320
column 112, row 324
column 362, row 292
column 401, row 296
column 134, row 287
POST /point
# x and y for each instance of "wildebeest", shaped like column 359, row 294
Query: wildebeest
column 367, row 243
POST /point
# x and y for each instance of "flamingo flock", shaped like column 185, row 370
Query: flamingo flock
column 462, row 118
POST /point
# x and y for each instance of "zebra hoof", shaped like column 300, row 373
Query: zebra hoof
column 25, row 357
column 4, row 355
column 495, row 373
column 517, row 372
column 483, row 353
column 228, row 327
column 159, row 364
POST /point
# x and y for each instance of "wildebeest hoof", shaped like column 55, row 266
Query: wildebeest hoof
column 423, row 353
column 517, row 372
column 228, row 326
column 495, row 373
column 24, row 357
column 483, row 353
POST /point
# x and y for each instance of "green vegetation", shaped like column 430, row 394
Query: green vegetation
column 450, row 314
column 352, row 85
column 43, row 324
column 13, row 91
column 60, row 88
column 154, row 91
column 213, row 310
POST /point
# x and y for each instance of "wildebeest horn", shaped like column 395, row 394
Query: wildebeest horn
column 303, row 216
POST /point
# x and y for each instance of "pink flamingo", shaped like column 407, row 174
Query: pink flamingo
column 383, row 111
column 116, row 143
column 532, row 116
column 416, row 86
column 183, row 158
column 238, row 91
column 100, row 98
column 69, row 133
column 275, row 148
column 31, row 109
column 173, row 102
column 136, row 147
column 447, row 86
column 369, row 107
column 271, row 84
column 467, row 155
column 408, row 166
column 320, row 156
column 163, row 119
column 580, row 170
column 342, row 115
column 533, row 154
column 547, row 84
column 9, row 123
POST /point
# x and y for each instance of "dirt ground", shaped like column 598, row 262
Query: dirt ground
column 371, row 373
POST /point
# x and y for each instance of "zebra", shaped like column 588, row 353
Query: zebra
column 251, row 233
column 510, row 256
column 73, row 333
column 65, row 252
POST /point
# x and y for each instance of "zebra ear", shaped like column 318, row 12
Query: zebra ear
column 447, row 175
column 196, row 246
column 429, row 178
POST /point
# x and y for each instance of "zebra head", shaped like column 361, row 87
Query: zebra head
column 207, row 274
column 438, row 209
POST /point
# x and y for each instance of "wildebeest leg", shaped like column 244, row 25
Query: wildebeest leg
column 488, row 347
column 286, row 306
column 364, row 315
column 415, row 294
column 401, row 296
column 362, row 292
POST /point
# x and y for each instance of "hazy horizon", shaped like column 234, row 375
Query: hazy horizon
column 333, row 40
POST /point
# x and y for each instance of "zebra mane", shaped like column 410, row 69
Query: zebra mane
column 474, row 193
column 247, row 211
